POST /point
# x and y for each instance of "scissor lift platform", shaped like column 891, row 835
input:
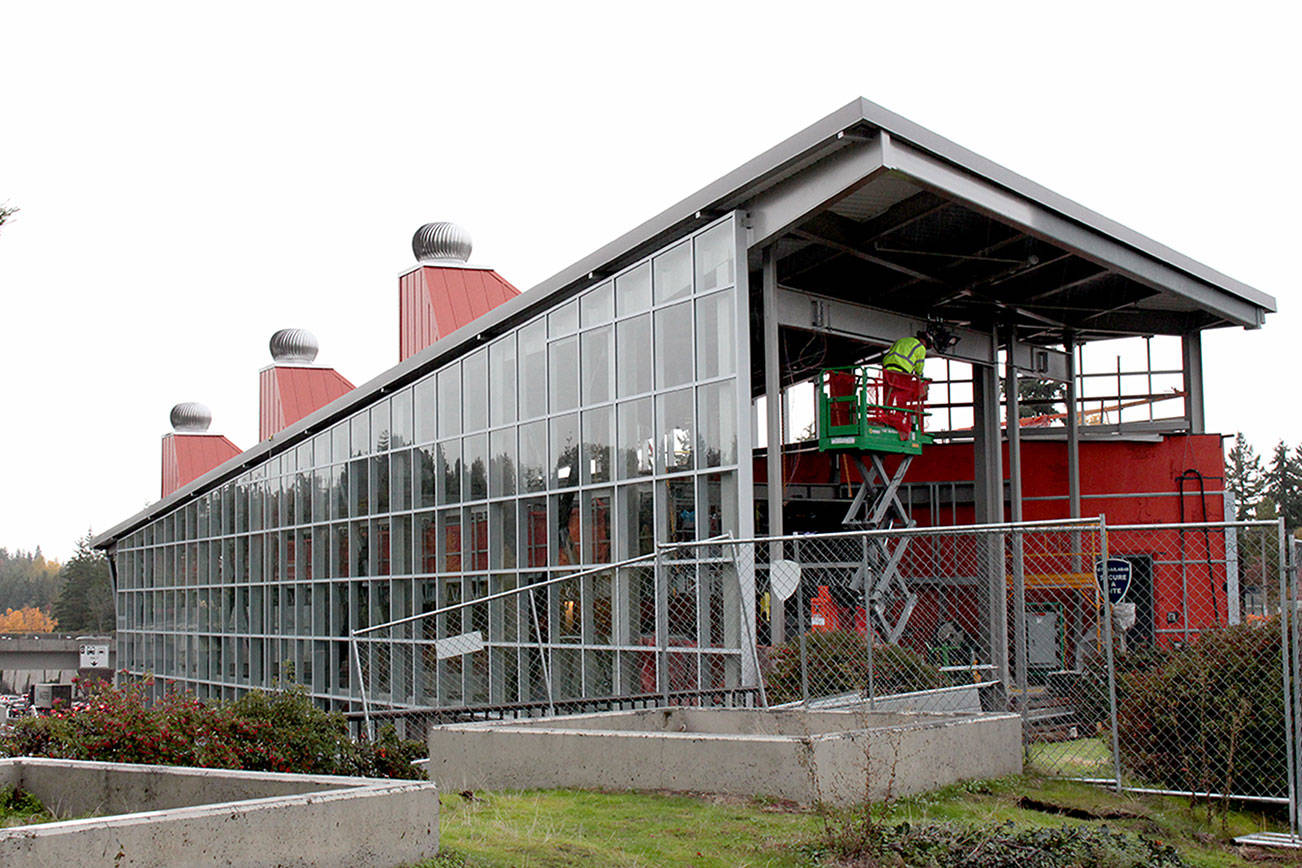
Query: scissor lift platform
column 872, row 412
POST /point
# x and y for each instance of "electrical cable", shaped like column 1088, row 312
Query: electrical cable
column 1189, row 475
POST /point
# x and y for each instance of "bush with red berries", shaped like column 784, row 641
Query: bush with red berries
column 280, row 731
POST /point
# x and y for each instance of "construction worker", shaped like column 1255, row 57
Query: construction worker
column 908, row 354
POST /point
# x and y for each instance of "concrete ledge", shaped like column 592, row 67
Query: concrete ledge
column 188, row 816
column 805, row 756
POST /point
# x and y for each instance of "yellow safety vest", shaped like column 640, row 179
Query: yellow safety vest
column 905, row 355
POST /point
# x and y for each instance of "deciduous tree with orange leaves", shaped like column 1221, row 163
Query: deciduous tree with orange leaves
column 28, row 619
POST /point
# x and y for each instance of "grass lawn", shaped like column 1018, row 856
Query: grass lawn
column 558, row 827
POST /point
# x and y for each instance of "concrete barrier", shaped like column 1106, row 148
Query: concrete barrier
column 169, row 815
column 804, row 756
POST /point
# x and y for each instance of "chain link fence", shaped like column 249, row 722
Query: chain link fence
column 1182, row 676
column 655, row 630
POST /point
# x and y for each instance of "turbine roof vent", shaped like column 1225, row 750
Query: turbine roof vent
column 441, row 243
column 190, row 417
column 294, row 345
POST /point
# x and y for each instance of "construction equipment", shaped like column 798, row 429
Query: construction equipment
column 873, row 412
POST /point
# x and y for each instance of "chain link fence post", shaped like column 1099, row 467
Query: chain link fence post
column 1102, row 570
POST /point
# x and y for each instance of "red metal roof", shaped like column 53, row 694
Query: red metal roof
column 434, row 301
column 186, row 457
column 287, row 393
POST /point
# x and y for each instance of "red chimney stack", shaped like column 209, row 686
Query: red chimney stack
column 293, row 387
column 188, row 451
column 444, row 293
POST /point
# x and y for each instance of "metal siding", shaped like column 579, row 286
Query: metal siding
column 303, row 391
column 186, row 457
column 435, row 301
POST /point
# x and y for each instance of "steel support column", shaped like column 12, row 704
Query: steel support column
column 1191, row 346
column 773, row 420
column 989, row 503
column 1012, row 422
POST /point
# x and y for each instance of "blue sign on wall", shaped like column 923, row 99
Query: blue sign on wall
column 1117, row 581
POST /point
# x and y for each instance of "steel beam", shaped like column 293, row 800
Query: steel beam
column 1009, row 207
column 810, row 312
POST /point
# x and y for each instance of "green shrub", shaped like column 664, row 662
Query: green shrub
column 944, row 845
column 261, row 731
column 838, row 663
column 1208, row 716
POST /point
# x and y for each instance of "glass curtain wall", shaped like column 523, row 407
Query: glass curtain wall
column 574, row 440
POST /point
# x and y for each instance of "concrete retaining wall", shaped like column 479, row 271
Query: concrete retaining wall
column 185, row 816
column 804, row 756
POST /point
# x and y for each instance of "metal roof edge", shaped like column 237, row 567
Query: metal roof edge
column 960, row 156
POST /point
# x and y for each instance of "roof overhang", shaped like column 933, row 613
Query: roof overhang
column 857, row 165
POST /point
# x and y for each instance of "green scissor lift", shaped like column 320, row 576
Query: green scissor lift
column 860, row 414
column 853, row 417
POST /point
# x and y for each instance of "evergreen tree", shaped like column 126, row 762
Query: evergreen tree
column 1244, row 476
column 85, row 603
column 1284, row 485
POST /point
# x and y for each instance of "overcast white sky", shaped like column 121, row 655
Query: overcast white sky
column 192, row 179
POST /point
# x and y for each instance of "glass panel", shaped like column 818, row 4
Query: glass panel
column 380, row 437
column 426, row 476
column 674, row 421
column 673, row 346
column 565, row 451
column 598, row 305
column 501, row 462
column 449, row 473
column 339, row 560
column 717, row 505
column 501, row 382
column 717, row 423
column 533, row 370
column 502, row 553
column 596, row 526
column 380, row 484
column 425, row 394
column 673, row 273
column 321, row 450
column 339, row 491
column 633, row 356
column 598, row 357
column 598, row 443
column 533, row 532
column 476, row 537
column 563, row 321
column 475, row 459
column 450, row 540
column 636, row 448
column 358, row 491
column 633, row 290
column 533, row 456
column 716, row 343
column 400, row 548
column 380, row 562
column 474, row 384
column 714, row 257
column 361, row 434
column 402, row 419
column 679, row 520
column 636, row 520
column 426, row 543
column 565, row 528
column 563, row 374
column 400, row 481
column 450, row 400
column 339, row 440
